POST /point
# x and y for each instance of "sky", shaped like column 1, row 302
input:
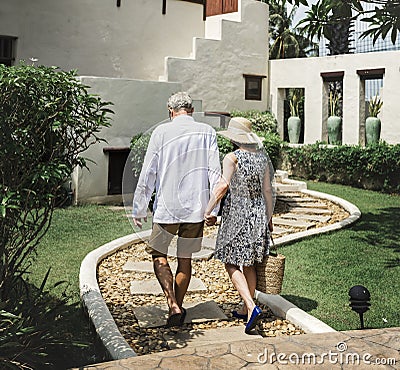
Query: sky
column 300, row 11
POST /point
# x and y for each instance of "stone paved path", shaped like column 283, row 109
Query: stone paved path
column 357, row 349
column 227, row 347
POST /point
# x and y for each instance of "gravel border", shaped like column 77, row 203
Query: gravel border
column 105, row 326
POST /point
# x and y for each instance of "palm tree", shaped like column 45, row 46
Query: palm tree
column 285, row 42
column 383, row 19
column 332, row 19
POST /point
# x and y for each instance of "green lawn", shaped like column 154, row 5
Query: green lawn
column 74, row 232
column 319, row 270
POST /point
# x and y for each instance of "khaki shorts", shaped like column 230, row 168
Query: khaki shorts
column 189, row 239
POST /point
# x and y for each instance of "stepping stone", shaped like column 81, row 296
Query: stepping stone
column 295, row 199
column 146, row 266
column 208, row 243
column 203, row 254
column 206, row 251
column 197, row 312
column 307, row 204
column 293, row 223
column 280, row 230
column 290, row 195
column 152, row 286
column 286, row 188
column 306, row 217
column 318, row 211
column 201, row 337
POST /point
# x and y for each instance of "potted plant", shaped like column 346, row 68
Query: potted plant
column 334, row 121
column 294, row 121
column 373, row 123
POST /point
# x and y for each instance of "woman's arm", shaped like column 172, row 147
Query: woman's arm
column 228, row 169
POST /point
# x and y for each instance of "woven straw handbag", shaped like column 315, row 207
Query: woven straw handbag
column 270, row 272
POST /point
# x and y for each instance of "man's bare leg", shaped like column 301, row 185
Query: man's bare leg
column 182, row 279
column 165, row 278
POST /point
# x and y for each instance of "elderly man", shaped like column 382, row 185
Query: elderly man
column 182, row 164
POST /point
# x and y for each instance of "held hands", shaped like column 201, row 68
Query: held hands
column 209, row 219
column 138, row 221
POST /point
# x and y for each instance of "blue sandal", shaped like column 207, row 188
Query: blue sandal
column 254, row 318
column 239, row 315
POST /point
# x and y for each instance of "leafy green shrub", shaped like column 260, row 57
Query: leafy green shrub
column 262, row 121
column 376, row 167
column 272, row 144
column 224, row 146
column 29, row 329
column 47, row 119
column 139, row 145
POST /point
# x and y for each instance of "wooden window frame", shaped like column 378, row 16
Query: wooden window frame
column 194, row 1
column 332, row 76
column 371, row 74
column 203, row 2
column 253, row 79
column 10, row 59
column 114, row 152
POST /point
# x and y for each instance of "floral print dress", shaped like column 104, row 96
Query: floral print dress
column 243, row 237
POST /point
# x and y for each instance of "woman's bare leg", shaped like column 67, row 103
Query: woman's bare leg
column 239, row 281
column 251, row 278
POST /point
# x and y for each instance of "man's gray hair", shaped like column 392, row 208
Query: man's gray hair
column 180, row 100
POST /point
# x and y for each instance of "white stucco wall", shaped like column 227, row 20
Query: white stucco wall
column 133, row 48
column 100, row 39
column 214, row 74
column 305, row 73
column 138, row 105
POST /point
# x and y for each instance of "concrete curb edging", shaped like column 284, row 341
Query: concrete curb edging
column 279, row 305
column 104, row 323
column 283, row 308
column 93, row 302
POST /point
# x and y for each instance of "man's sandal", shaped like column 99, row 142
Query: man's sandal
column 174, row 320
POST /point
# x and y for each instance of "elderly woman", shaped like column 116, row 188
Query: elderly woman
column 243, row 237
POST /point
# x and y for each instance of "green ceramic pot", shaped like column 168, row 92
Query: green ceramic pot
column 372, row 130
column 334, row 130
column 294, row 127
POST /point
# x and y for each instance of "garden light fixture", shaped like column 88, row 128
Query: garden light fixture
column 359, row 301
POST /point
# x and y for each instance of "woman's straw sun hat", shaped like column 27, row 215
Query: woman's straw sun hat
column 239, row 131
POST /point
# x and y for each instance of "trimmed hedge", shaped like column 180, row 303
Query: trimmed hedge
column 375, row 167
